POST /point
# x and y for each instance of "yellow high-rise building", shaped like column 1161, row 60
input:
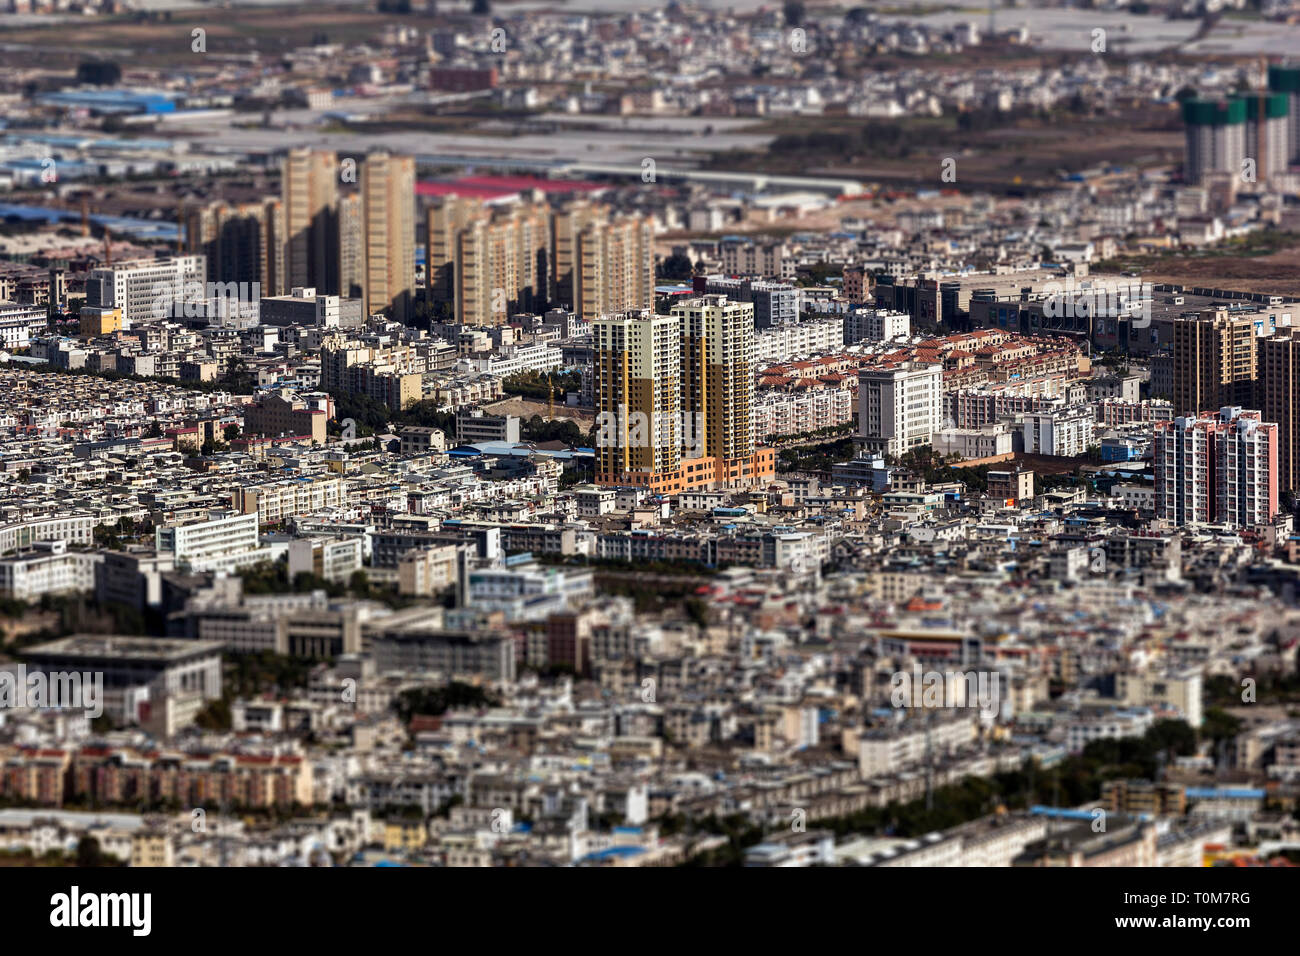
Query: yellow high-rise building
column 718, row 371
column 638, row 397
column 673, row 397
column 1215, row 359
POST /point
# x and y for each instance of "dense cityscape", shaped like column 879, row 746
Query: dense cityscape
column 469, row 434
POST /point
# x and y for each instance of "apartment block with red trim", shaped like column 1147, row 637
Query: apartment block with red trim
column 1217, row 468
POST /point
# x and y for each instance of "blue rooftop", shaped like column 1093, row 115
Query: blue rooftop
column 614, row 851
column 1220, row 793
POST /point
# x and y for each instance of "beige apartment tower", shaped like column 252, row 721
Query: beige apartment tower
column 614, row 271
column 309, row 192
column 1279, row 391
column 443, row 224
column 388, row 212
column 242, row 242
column 566, row 226
column 488, row 265
column 352, row 249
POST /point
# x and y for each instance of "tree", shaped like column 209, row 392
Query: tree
column 99, row 73
column 231, row 432
column 155, row 430
column 541, row 429
column 436, row 701
column 1219, row 725
column 676, row 266
column 359, row 583
column 215, row 716
column 88, row 852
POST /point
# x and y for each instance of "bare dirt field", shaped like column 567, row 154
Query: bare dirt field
column 526, row 408
column 168, row 41
column 1278, row 273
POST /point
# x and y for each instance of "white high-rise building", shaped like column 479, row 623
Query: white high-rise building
column 1216, row 137
column 1063, row 432
column 899, row 408
column 225, row 541
column 148, row 288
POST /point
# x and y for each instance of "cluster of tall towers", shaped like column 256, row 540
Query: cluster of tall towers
column 674, row 396
column 1255, row 131
column 1226, row 357
column 486, row 264
column 355, row 242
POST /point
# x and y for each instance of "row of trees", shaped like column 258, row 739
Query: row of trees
column 1074, row 781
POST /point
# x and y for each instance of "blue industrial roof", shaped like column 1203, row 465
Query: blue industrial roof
column 120, row 225
column 1042, row 811
column 614, row 851
column 115, row 100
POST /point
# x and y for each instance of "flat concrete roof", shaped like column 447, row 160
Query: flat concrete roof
column 123, row 647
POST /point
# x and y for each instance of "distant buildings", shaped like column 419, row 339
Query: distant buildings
column 242, row 243
column 775, row 303
column 48, row 568
column 1064, row 432
column 359, row 244
column 486, row 265
column 474, row 426
column 388, row 213
column 309, row 191
column 1229, row 134
column 385, row 373
column 1123, row 842
column 305, row 308
column 875, row 325
column 223, row 541
column 1279, row 400
column 137, row 671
